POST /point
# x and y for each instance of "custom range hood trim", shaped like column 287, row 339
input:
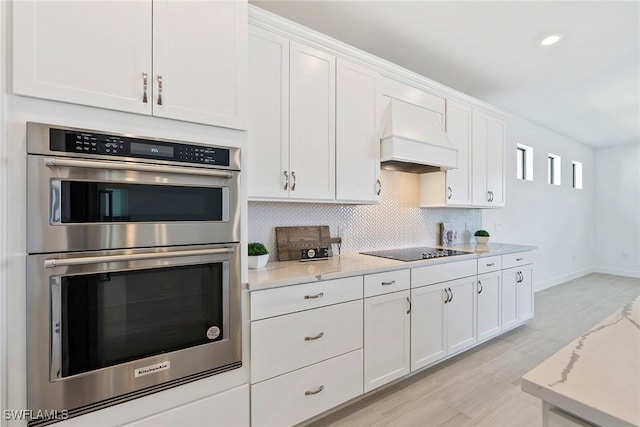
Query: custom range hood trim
column 414, row 141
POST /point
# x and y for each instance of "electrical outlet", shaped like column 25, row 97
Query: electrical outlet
column 497, row 226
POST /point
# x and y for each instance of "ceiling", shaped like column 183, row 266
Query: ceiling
column 586, row 86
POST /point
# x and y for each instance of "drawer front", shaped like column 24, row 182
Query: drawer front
column 284, row 343
column 289, row 399
column 517, row 259
column 489, row 264
column 443, row 272
column 289, row 299
column 387, row 282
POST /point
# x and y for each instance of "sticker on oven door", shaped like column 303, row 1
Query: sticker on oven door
column 213, row 332
column 151, row 369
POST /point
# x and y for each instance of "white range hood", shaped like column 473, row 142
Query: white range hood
column 413, row 140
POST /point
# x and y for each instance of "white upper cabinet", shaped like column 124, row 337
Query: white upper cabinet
column 452, row 187
column 268, row 137
column 200, row 61
column 185, row 61
column 357, row 138
column 312, row 123
column 70, row 51
column 488, row 160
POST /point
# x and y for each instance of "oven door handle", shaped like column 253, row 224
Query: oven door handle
column 66, row 262
column 96, row 164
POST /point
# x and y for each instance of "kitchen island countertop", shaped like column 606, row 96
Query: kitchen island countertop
column 597, row 376
column 286, row 273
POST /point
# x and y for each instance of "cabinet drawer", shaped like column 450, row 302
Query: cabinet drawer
column 274, row 302
column 488, row 264
column 289, row 399
column 384, row 283
column 442, row 272
column 517, row 259
column 284, row 343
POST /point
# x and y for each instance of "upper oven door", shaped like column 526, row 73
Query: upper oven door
column 87, row 204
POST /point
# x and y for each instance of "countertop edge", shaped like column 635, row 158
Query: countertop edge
column 390, row 265
column 571, row 406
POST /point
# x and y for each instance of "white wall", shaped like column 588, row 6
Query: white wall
column 617, row 210
column 557, row 219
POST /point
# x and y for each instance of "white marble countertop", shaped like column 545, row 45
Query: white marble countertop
column 597, row 376
column 277, row 274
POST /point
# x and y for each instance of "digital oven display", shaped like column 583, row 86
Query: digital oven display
column 151, row 149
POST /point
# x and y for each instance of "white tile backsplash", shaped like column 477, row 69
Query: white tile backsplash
column 395, row 222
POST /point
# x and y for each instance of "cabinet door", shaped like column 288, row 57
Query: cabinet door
column 458, row 191
column 489, row 289
column 495, row 162
column 386, row 338
column 71, row 52
column 509, row 298
column 461, row 314
column 268, row 137
column 428, row 338
column 200, row 61
column 525, row 294
column 312, row 123
column 357, row 142
column 230, row 408
column 480, row 145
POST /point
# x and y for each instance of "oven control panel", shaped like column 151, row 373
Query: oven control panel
column 121, row 146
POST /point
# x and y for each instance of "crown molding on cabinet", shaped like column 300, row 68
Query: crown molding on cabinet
column 294, row 31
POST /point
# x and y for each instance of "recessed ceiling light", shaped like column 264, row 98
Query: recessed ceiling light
column 551, row 39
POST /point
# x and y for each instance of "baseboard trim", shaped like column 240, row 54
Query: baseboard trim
column 617, row 272
column 555, row 281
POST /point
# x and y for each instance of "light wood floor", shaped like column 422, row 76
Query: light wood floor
column 481, row 387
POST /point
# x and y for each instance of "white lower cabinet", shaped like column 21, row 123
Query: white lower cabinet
column 386, row 338
column 443, row 320
column 294, row 397
column 489, row 293
column 284, row 343
column 517, row 295
column 226, row 409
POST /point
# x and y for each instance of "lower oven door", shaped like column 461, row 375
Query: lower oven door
column 103, row 327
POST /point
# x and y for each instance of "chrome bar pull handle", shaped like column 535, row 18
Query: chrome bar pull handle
column 490, row 264
column 410, row 305
column 315, row 337
column 67, row 262
column 312, row 392
column 451, row 295
column 293, row 185
column 393, row 282
column 480, row 288
column 316, row 296
column 159, row 89
column 450, row 191
column 286, row 180
column 379, row 187
column 518, row 259
column 145, row 86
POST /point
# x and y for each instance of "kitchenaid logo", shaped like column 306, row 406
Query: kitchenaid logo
column 30, row 414
column 140, row 372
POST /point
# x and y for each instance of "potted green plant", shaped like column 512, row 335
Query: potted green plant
column 258, row 255
column 482, row 236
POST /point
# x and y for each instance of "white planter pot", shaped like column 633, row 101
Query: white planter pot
column 482, row 240
column 258, row 261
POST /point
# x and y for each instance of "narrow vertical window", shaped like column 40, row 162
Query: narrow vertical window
column 524, row 162
column 554, row 169
column 577, row 174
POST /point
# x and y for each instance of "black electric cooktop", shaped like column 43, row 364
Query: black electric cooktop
column 415, row 254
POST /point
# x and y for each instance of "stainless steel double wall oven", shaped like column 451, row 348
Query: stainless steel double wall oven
column 133, row 272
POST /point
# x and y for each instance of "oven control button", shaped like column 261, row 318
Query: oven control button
column 213, row 332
